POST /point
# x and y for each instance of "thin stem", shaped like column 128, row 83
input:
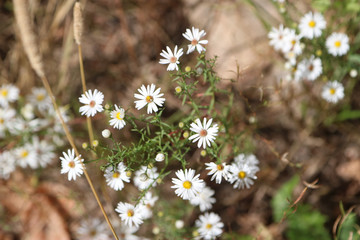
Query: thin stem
column 88, row 119
column 72, row 143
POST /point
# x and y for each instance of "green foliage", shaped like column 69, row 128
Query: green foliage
column 348, row 226
column 348, row 115
column 280, row 202
column 321, row 5
column 307, row 224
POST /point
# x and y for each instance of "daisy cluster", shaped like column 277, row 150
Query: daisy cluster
column 144, row 164
column 31, row 124
column 302, row 48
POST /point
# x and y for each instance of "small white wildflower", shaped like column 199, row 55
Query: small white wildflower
column 148, row 201
column 310, row 68
column 179, row 224
column 8, row 94
column 6, row 119
column 115, row 179
column 194, row 36
column 292, row 43
column 117, row 118
column 311, row 25
column 209, row 226
column 160, row 157
column 28, row 111
column 337, row 44
column 218, row 171
column 353, row 73
column 92, row 101
column 249, row 159
column 144, row 177
column 93, row 229
column 150, row 97
column 278, row 37
column 26, row 156
column 204, row 199
column 106, row 133
column 71, row 165
column 45, row 152
column 333, row 91
column 7, row 164
column 204, row 134
column 171, row 58
column 242, row 175
column 40, row 99
column 130, row 214
column 187, row 184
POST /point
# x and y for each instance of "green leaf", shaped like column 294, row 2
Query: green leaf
column 347, row 115
column 307, row 224
column 347, row 227
column 353, row 7
column 355, row 58
column 281, row 200
column 321, row 5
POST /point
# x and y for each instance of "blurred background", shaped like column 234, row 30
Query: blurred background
column 121, row 44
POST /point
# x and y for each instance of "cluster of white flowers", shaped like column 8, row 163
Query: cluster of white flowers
column 311, row 26
column 24, row 123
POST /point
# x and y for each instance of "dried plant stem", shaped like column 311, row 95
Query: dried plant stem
column 83, row 82
column 72, row 143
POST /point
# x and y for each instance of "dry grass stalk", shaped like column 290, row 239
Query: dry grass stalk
column 28, row 37
column 29, row 42
column 78, row 23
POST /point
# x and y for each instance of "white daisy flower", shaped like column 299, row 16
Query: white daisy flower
column 209, row 226
column 333, row 92
column 127, row 233
column 71, row 165
column 92, row 101
column 7, row 164
column 27, row 111
column 150, row 97
column 187, row 184
column 93, row 229
column 115, row 179
column 40, row 99
column 26, row 156
column 160, row 157
column 171, row 58
column 130, row 214
column 194, row 36
column 278, row 37
column 218, row 171
column 291, row 57
column 204, row 199
column 311, row 25
column 6, row 116
column 144, row 177
column 148, row 201
column 8, row 94
column 292, row 43
column 310, row 68
column 337, row 44
column 250, row 160
column 117, row 117
column 45, row 151
column 242, row 175
column 204, row 134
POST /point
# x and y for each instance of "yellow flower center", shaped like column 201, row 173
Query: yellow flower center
column 92, row 103
column 149, row 99
column 312, row 24
column 40, row 97
column 332, row 91
column 119, row 116
column 130, row 213
column 203, row 133
column 173, row 60
column 2, row 121
column 194, row 42
column 93, row 232
column 337, row 44
column 116, row 175
column 24, row 154
column 208, row 226
column 4, row 92
column 187, row 184
column 242, row 174
column 293, row 42
column 220, row 167
column 71, row 164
